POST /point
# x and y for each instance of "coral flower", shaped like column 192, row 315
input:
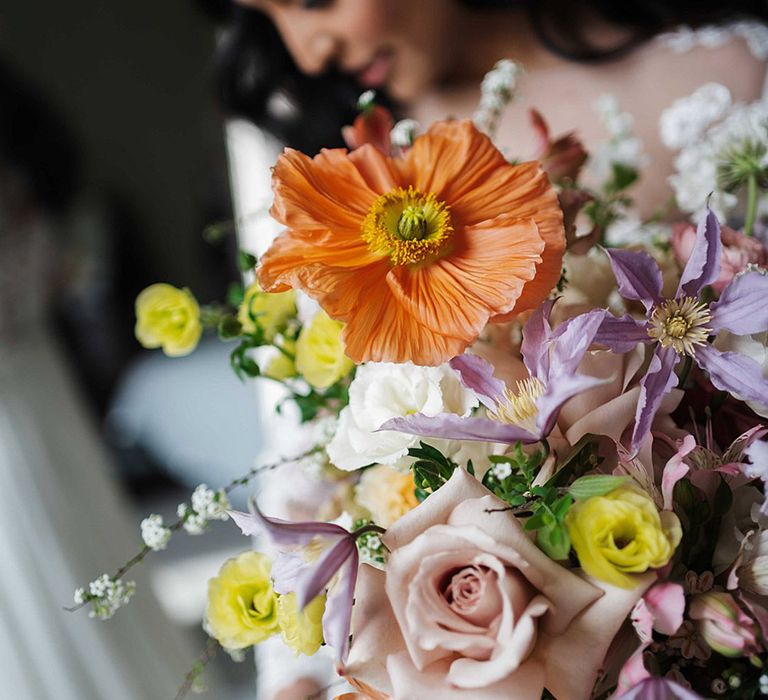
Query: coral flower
column 415, row 254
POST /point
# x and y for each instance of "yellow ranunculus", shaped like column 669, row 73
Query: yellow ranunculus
column 242, row 606
column 320, row 356
column 387, row 493
column 281, row 366
column 269, row 311
column 169, row 318
column 622, row 533
column 301, row 630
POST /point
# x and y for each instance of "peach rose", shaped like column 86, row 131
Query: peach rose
column 738, row 251
column 469, row 607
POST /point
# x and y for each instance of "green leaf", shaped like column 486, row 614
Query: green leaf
column 554, row 541
column 235, row 294
column 596, row 485
column 229, row 328
column 246, row 261
column 622, row 177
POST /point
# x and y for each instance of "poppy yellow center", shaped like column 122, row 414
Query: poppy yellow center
column 519, row 407
column 407, row 225
column 680, row 324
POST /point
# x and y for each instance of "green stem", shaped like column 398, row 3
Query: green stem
column 687, row 364
column 749, row 222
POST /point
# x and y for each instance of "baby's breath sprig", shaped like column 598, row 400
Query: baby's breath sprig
column 106, row 594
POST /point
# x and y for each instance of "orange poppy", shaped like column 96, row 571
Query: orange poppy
column 415, row 254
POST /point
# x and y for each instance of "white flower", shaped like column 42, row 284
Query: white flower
column 622, row 147
column 381, row 391
column 106, row 596
column 501, row 470
column 206, row 505
column 496, row 91
column 697, row 163
column 154, row 533
column 689, row 117
column 366, row 99
column 403, row 133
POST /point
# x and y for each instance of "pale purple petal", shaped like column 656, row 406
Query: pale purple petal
column 571, row 341
column 703, row 267
column 743, row 305
column 658, row 381
column 453, row 427
column 638, row 276
column 536, row 335
column 284, row 532
column 285, row 568
column 313, row 578
column 338, row 610
column 477, row 374
column 655, row 688
column 734, row 373
column 621, row 334
column 558, row 391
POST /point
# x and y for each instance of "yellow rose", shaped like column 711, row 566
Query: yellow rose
column 387, row 493
column 301, row 630
column 242, row 606
column 270, row 311
column 281, row 366
column 622, row 533
column 169, row 318
column 320, row 354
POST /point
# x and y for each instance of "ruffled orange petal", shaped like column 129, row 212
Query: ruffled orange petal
column 379, row 172
column 320, row 193
column 282, row 266
column 482, row 277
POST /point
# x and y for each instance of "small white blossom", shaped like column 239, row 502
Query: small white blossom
column 154, row 533
column 207, row 505
column 106, row 596
column 404, row 132
column 496, row 92
column 366, row 99
column 622, row 147
column 689, row 117
column 764, row 684
column 501, row 470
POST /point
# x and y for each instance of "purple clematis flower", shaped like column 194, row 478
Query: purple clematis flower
column 293, row 573
column 528, row 413
column 682, row 324
column 655, row 688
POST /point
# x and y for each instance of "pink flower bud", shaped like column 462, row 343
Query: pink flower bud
column 724, row 625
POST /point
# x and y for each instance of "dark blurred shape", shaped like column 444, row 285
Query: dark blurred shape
column 36, row 144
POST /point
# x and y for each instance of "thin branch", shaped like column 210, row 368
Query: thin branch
column 208, row 653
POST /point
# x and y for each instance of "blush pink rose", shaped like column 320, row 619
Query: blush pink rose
column 469, row 607
column 738, row 251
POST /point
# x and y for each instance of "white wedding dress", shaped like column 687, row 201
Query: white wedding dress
column 62, row 520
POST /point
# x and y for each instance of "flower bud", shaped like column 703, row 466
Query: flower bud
column 723, row 624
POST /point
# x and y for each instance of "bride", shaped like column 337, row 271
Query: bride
column 296, row 67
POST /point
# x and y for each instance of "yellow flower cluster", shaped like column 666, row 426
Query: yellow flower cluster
column 269, row 311
column 320, row 357
column 168, row 318
column 622, row 533
column 244, row 609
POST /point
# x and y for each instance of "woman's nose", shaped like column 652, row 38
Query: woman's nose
column 314, row 50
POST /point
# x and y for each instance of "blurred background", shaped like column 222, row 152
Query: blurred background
column 113, row 164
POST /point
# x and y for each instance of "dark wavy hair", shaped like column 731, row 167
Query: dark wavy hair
column 257, row 79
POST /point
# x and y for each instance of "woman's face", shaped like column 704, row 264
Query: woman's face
column 402, row 46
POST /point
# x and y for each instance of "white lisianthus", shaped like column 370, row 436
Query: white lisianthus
column 381, row 391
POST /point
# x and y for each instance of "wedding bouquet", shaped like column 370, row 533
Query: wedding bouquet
column 538, row 420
